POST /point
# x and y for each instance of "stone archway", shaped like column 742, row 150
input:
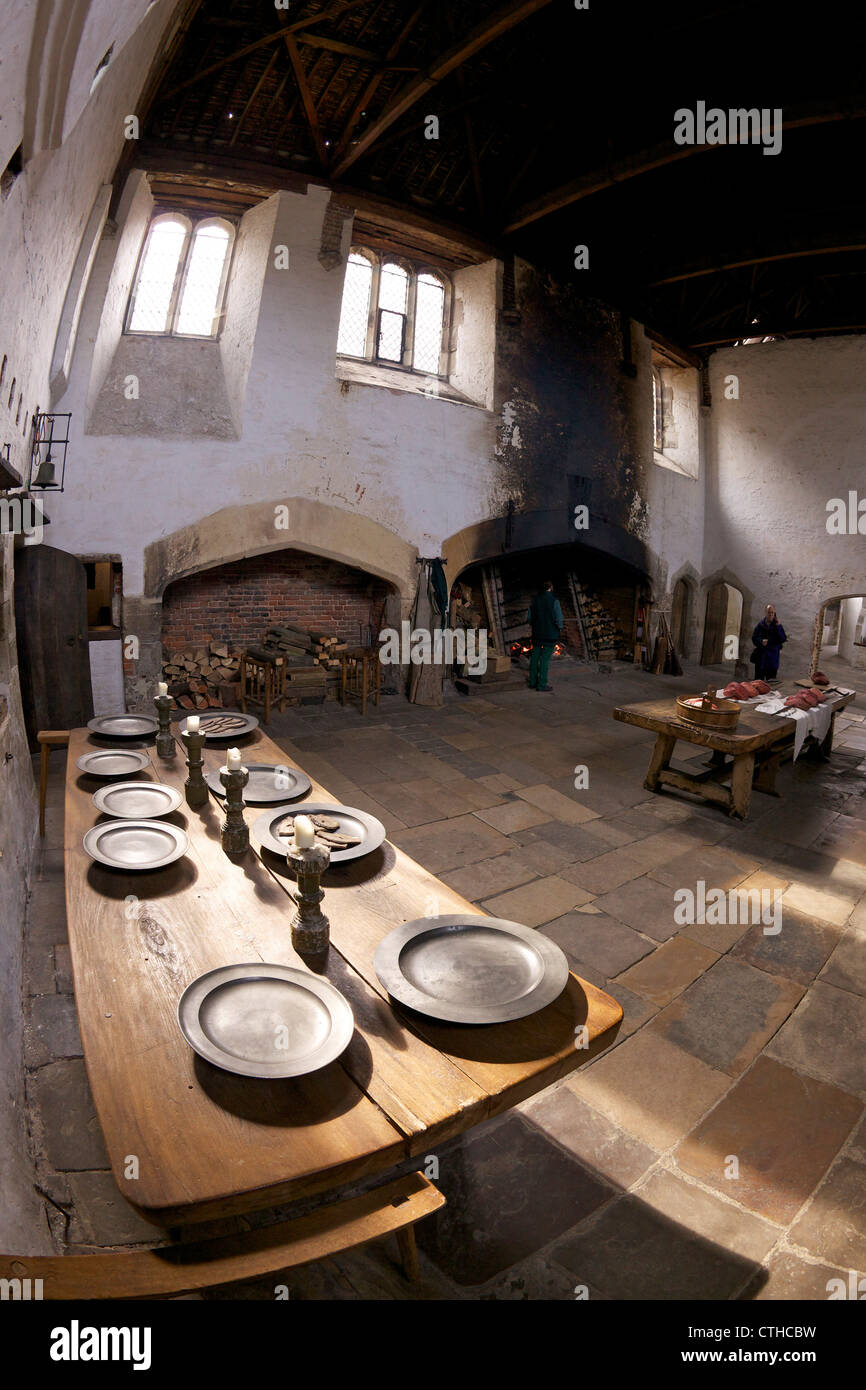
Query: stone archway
column 686, row 614
column 818, row 626
column 237, row 533
column 296, row 523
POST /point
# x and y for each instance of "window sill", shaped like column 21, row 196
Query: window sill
column 664, row 462
column 411, row 383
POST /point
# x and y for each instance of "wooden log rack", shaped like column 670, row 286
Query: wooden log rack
column 360, row 676
column 263, row 680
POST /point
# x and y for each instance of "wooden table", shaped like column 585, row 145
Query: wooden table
column 208, row 1143
column 756, row 748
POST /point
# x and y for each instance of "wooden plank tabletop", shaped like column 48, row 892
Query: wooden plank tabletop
column 209, row 1143
column 753, row 731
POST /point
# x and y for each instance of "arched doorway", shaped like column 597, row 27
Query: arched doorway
column 722, row 624
column 681, row 614
column 840, row 631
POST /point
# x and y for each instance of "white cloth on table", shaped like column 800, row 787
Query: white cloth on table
column 814, row 721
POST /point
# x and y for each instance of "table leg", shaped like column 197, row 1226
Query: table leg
column 408, row 1251
column 765, row 775
column 741, row 785
column 827, row 744
column 662, row 754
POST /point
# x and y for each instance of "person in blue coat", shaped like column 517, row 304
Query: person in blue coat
column 767, row 641
column 545, row 615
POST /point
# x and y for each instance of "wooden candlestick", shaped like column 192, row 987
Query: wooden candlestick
column 234, row 835
column 165, row 744
column 195, row 785
column 311, row 930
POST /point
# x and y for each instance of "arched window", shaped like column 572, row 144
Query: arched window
column 658, row 412
column 394, row 313
column 355, row 313
column 429, row 323
column 180, row 285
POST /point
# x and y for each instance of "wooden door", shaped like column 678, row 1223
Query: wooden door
column 680, row 616
column 714, row 625
column 51, row 628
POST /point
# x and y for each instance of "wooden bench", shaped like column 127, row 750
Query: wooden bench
column 391, row 1209
column 48, row 739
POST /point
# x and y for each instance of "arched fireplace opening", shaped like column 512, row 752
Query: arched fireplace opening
column 211, row 617
column 603, row 601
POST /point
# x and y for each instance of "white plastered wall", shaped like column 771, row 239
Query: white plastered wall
column 776, row 455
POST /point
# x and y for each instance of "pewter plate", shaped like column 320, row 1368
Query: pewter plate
column 468, row 969
column 268, row 782
column 265, row 829
column 124, row 725
column 135, row 844
column 267, row 1021
column 137, row 800
column 241, row 724
column 114, row 762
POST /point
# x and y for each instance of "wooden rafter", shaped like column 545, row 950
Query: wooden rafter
column 471, row 144
column 458, row 53
column 299, row 27
column 720, row 266
column 644, row 161
column 266, row 72
column 337, row 46
column 786, row 333
column 306, row 96
column 370, row 86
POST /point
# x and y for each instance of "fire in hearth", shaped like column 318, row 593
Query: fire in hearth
column 519, row 649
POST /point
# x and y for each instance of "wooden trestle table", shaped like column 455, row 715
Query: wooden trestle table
column 757, row 747
column 189, row 1142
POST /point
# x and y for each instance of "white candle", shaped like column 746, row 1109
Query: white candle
column 305, row 835
column 233, row 760
column 192, row 724
column 162, row 689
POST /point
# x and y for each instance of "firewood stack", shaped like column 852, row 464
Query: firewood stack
column 207, row 678
column 202, row 678
column 312, row 659
column 303, row 648
column 605, row 634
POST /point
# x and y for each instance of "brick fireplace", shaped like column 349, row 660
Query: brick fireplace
column 236, row 603
column 209, row 618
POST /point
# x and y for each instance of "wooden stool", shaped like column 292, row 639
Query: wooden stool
column 263, row 679
column 48, row 738
column 360, row 675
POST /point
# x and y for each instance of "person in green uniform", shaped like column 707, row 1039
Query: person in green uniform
column 545, row 615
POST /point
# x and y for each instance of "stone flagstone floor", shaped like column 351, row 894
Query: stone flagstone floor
column 717, row 1150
